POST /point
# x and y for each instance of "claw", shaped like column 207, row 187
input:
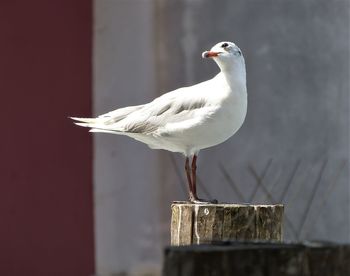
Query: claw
column 202, row 201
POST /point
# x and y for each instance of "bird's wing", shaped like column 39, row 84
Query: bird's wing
column 180, row 108
column 106, row 119
column 119, row 114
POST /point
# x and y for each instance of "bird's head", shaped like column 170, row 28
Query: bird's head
column 226, row 54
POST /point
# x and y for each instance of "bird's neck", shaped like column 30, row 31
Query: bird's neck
column 234, row 73
column 235, row 77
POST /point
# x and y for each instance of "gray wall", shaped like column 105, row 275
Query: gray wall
column 125, row 172
column 295, row 138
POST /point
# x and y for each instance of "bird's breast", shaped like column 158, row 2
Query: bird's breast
column 224, row 122
column 232, row 114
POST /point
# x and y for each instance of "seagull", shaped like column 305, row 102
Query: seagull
column 188, row 119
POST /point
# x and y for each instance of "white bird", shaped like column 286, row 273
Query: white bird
column 187, row 119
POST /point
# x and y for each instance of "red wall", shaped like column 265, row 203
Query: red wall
column 46, row 210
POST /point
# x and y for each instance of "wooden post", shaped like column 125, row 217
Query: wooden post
column 252, row 259
column 210, row 223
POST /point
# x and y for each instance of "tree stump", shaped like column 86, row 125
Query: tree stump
column 210, row 223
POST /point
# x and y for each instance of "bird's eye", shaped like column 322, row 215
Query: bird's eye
column 224, row 45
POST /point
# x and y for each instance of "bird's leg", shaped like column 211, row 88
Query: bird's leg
column 194, row 180
column 188, row 174
column 191, row 179
column 193, row 196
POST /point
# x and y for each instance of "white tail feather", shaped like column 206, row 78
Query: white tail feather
column 103, row 131
column 96, row 125
column 84, row 120
column 83, row 124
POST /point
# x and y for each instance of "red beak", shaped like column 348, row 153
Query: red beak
column 209, row 54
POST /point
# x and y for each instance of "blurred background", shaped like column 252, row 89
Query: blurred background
column 77, row 204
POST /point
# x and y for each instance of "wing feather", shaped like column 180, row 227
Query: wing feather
column 183, row 107
column 163, row 111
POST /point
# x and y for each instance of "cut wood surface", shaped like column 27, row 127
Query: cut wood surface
column 210, row 223
column 263, row 259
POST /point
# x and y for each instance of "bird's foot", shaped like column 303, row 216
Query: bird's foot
column 202, row 201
